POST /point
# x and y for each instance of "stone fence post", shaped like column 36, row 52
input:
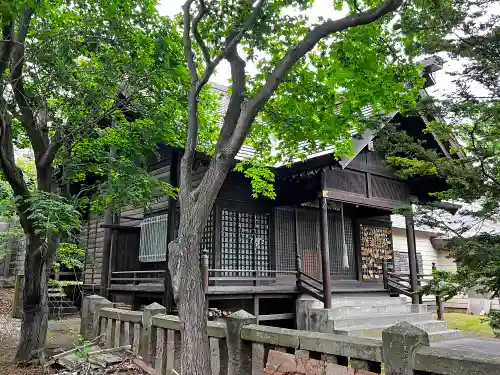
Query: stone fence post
column 399, row 343
column 239, row 351
column 149, row 311
column 90, row 310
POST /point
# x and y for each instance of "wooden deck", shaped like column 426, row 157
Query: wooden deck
column 284, row 287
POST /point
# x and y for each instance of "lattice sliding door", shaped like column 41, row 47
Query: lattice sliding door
column 245, row 241
column 338, row 268
column 309, row 242
column 285, row 239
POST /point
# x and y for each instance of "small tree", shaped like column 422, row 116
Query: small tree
column 90, row 87
column 314, row 79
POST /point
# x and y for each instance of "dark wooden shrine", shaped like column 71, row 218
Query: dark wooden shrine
column 327, row 233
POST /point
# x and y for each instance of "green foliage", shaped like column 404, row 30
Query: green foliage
column 465, row 120
column 478, row 258
column 444, row 284
column 494, row 322
column 70, row 256
column 52, row 213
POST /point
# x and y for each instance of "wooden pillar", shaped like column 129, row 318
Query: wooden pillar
column 106, row 246
column 325, row 247
column 112, row 252
column 412, row 255
column 106, row 251
column 174, row 169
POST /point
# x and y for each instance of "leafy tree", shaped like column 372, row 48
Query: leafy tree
column 90, row 87
column 466, row 122
column 314, row 79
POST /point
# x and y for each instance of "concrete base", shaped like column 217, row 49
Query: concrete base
column 367, row 316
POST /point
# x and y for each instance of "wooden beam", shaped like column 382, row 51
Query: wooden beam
column 173, row 180
column 347, row 197
column 325, row 250
column 412, row 255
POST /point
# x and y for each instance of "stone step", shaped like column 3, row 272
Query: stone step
column 384, row 319
column 426, row 325
column 363, row 310
column 368, row 301
column 435, row 332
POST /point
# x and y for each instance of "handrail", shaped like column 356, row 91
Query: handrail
column 312, row 285
column 310, row 277
column 138, row 271
column 250, row 271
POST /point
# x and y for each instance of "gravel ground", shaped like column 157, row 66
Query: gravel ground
column 62, row 333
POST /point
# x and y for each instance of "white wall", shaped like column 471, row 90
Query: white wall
column 424, row 247
column 429, row 255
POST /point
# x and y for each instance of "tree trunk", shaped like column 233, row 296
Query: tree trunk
column 37, row 266
column 184, row 267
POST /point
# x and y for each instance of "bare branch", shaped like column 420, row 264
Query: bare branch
column 294, row 54
column 196, row 21
column 27, row 115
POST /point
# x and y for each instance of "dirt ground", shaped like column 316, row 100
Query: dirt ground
column 62, row 333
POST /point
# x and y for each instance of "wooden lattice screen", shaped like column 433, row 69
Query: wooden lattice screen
column 207, row 238
column 245, row 241
column 309, row 244
column 285, row 239
column 337, row 267
column 376, row 246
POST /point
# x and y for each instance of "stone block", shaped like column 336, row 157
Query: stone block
column 239, row 351
column 271, row 335
column 147, row 315
column 399, row 344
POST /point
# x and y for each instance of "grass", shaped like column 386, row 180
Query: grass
column 473, row 325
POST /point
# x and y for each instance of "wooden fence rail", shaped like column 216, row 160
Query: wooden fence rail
column 238, row 346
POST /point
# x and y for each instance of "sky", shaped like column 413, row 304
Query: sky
column 324, row 9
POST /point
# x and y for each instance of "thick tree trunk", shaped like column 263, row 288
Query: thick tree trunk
column 184, row 267
column 37, row 265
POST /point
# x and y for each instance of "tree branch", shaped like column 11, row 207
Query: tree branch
column 27, row 115
column 7, row 46
column 196, row 21
column 294, row 54
column 48, row 157
column 188, row 45
column 238, row 89
column 7, row 162
column 231, row 45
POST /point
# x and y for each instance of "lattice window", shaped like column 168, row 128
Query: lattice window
column 285, row 239
column 153, row 243
column 387, row 188
column 245, row 241
column 351, row 181
column 309, row 245
column 207, row 238
column 338, row 268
